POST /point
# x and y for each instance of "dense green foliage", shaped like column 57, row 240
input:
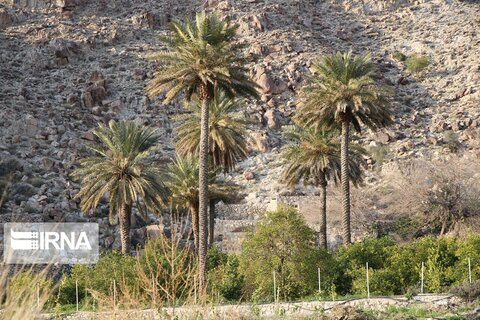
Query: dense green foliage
column 224, row 278
column 283, row 243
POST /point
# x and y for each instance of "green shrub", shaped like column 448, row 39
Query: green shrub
column 440, row 264
column 111, row 266
column 467, row 291
column 285, row 244
column 215, row 257
column 226, row 280
column 416, row 63
column 351, row 263
column 27, row 283
column 469, row 248
column 399, row 56
column 405, row 227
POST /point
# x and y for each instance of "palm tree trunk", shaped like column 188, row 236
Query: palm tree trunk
column 194, row 213
column 211, row 223
column 347, row 238
column 323, row 211
column 124, row 215
column 203, row 192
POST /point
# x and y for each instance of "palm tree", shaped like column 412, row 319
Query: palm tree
column 226, row 132
column 341, row 92
column 313, row 157
column 182, row 181
column 202, row 57
column 121, row 170
column 227, row 142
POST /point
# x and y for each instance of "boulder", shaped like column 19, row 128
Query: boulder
column 64, row 50
column 248, row 175
column 145, row 19
column 272, row 118
column 259, row 141
column 269, row 84
column 96, row 90
column 6, row 18
column 88, row 136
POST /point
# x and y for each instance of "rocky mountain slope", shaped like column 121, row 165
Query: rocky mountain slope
column 66, row 65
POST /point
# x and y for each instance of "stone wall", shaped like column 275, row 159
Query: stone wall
column 231, row 233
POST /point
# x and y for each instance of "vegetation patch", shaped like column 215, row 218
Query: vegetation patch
column 416, row 63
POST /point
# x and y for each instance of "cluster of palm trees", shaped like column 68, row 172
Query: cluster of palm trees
column 340, row 92
column 204, row 67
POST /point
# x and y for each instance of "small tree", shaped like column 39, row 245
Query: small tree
column 122, row 171
column 313, row 157
column 285, row 244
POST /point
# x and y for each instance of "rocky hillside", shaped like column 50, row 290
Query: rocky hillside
column 68, row 64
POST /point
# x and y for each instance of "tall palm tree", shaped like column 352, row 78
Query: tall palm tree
column 122, row 171
column 202, row 57
column 226, row 140
column 342, row 92
column 182, row 181
column 313, row 157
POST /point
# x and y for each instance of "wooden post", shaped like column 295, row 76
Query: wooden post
column 469, row 271
column 154, row 292
column 319, row 281
column 368, row 284
column 38, row 296
column 114, row 295
column 195, row 289
column 423, row 267
column 76, row 293
column 274, row 288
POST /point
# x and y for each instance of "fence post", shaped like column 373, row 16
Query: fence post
column 319, row 281
column 38, row 295
column 274, row 288
column 423, row 267
column 469, row 271
column 368, row 283
column 76, row 293
column 154, row 291
column 114, row 295
column 194, row 289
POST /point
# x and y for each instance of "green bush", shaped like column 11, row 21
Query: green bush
column 399, row 56
column 28, row 280
column 111, row 266
column 285, row 244
column 351, row 263
column 469, row 248
column 30, row 284
column 226, row 280
column 416, row 63
column 215, row 257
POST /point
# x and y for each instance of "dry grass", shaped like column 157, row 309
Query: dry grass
column 25, row 301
